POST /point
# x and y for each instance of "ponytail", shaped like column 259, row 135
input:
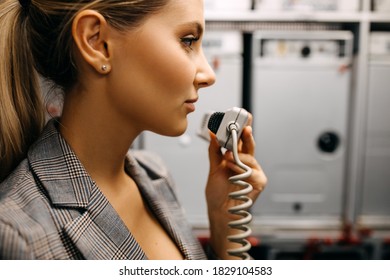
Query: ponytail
column 21, row 108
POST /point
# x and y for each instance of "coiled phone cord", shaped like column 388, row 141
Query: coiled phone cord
column 241, row 209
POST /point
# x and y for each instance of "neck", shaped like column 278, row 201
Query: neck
column 98, row 137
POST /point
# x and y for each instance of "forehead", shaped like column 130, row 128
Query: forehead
column 182, row 12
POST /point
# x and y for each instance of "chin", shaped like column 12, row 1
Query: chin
column 179, row 132
column 181, row 129
column 175, row 131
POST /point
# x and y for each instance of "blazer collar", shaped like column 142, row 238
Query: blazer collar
column 59, row 170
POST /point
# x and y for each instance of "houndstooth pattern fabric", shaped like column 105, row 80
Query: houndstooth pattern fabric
column 50, row 208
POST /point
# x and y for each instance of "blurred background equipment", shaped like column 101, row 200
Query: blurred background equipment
column 300, row 101
column 375, row 205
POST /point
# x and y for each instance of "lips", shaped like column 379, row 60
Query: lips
column 194, row 100
column 190, row 104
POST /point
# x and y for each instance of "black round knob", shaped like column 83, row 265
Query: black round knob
column 328, row 142
column 297, row 207
column 306, row 51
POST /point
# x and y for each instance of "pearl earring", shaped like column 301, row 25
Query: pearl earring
column 104, row 68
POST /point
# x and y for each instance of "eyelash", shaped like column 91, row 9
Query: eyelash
column 188, row 41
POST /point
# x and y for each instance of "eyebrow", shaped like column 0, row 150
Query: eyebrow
column 195, row 25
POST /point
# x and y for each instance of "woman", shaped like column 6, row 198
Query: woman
column 72, row 190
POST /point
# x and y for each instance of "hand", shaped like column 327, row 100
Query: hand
column 222, row 167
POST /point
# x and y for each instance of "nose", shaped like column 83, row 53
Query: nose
column 205, row 75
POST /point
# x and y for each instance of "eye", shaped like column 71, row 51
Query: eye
column 189, row 41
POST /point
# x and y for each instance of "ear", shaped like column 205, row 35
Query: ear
column 90, row 33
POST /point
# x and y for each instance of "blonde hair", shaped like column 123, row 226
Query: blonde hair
column 36, row 41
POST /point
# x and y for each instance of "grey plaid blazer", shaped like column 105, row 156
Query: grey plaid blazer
column 50, row 208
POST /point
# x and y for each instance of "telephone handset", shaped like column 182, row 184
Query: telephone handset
column 228, row 127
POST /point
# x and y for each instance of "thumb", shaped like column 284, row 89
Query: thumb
column 215, row 154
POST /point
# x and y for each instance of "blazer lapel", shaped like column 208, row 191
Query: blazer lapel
column 97, row 232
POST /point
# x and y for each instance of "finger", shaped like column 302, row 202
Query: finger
column 257, row 179
column 248, row 144
column 228, row 155
column 250, row 119
column 215, row 155
column 246, row 159
column 248, row 123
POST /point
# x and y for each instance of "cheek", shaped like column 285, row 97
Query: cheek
column 169, row 69
column 154, row 82
column 158, row 61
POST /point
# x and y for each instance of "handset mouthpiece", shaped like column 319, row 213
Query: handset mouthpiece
column 215, row 121
column 221, row 124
